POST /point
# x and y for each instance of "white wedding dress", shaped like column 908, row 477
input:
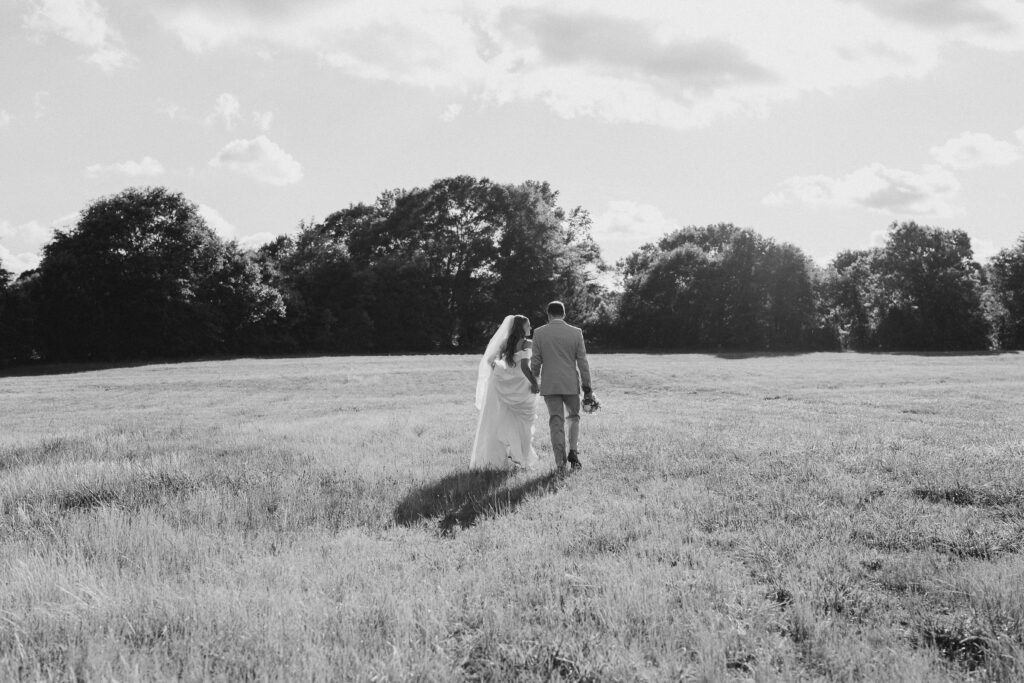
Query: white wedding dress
column 504, row 433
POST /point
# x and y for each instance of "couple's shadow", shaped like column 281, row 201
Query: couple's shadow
column 459, row 499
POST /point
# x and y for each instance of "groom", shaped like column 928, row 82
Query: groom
column 559, row 350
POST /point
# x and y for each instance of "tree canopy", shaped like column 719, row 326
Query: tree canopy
column 432, row 269
column 718, row 287
column 142, row 275
column 921, row 291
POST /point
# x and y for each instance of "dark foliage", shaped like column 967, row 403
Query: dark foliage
column 141, row 276
column 921, row 291
column 719, row 287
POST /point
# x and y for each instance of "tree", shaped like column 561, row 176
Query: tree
column 141, row 275
column 921, row 291
column 18, row 313
column 464, row 252
column 718, row 287
column 1006, row 296
column 5, row 278
column 327, row 297
column 247, row 306
column 845, row 290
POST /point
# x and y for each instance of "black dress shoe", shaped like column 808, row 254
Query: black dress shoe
column 574, row 460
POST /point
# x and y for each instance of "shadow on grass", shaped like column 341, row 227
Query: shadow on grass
column 459, row 499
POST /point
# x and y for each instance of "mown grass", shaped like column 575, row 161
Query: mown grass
column 819, row 517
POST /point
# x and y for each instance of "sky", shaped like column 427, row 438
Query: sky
column 814, row 122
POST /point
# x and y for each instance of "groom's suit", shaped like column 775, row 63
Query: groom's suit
column 560, row 359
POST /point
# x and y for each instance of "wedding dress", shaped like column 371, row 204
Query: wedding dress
column 504, row 433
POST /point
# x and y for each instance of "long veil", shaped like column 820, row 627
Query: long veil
column 490, row 356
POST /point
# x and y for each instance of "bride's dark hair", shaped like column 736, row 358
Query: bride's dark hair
column 516, row 335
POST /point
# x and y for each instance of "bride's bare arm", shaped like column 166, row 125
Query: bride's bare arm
column 525, row 365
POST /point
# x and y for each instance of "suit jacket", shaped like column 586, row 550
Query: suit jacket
column 560, row 358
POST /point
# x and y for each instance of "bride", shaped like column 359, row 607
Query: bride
column 506, row 396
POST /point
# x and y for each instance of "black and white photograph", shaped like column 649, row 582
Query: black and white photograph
column 512, row 340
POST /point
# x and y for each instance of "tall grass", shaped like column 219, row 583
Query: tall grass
column 818, row 517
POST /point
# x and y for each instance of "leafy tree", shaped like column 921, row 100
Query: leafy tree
column 18, row 313
column 247, row 306
column 463, row 252
column 326, row 295
column 718, row 287
column 934, row 287
column 141, row 275
column 1006, row 296
column 844, row 291
column 921, row 291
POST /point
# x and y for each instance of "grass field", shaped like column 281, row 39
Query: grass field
column 816, row 517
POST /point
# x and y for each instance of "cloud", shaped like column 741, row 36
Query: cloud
column 227, row 231
column 993, row 17
column 632, row 48
column 30, row 235
column 875, row 187
column 451, row 112
column 257, row 240
column 984, row 249
column 82, row 22
column 5, row 118
column 169, row 109
column 146, row 167
column 971, row 150
column 1020, row 134
column 625, row 226
column 263, row 119
column 220, row 225
column 227, row 110
column 260, row 159
column 662, row 62
column 18, row 263
column 20, row 244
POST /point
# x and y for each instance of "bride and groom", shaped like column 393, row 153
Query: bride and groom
column 507, row 388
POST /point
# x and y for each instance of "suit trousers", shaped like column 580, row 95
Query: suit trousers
column 563, row 408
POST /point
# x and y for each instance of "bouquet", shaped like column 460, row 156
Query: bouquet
column 591, row 404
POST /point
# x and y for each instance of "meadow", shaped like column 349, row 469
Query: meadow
column 809, row 517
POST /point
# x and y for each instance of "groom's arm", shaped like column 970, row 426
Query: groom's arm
column 537, row 360
column 584, row 365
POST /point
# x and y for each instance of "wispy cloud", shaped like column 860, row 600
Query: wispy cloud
column 984, row 16
column 451, row 112
column 228, row 231
column 146, row 167
column 227, row 109
column 663, row 62
column 624, row 226
column 971, row 150
column 263, row 120
column 930, row 192
column 169, row 109
column 20, row 244
column 18, row 263
column 260, row 159
column 220, row 225
column 31, row 235
column 82, row 22
column 5, row 118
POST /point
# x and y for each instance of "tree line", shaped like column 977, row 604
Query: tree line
column 142, row 276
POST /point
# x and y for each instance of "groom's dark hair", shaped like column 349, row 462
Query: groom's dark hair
column 557, row 309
